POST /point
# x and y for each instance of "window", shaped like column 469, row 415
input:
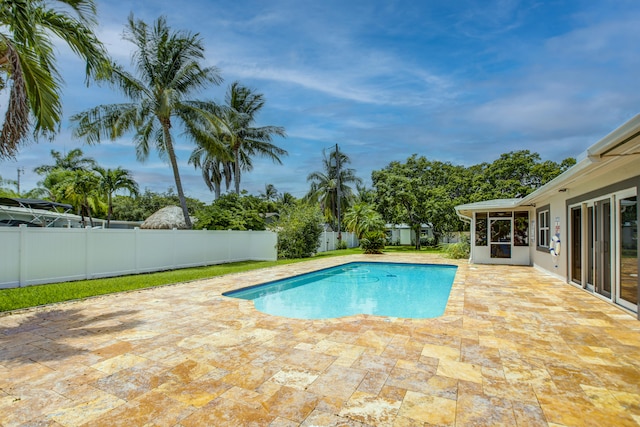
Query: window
column 521, row 229
column 543, row 228
column 481, row 229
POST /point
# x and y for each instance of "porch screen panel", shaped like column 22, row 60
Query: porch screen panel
column 481, row 229
column 521, row 229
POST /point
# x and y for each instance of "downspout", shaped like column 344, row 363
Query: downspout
column 469, row 221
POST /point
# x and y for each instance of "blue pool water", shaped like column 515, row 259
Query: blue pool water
column 383, row 289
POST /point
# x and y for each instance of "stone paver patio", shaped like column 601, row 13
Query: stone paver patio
column 514, row 348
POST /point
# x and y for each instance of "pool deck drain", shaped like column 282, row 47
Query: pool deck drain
column 515, row 347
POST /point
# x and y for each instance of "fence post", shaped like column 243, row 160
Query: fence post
column 173, row 247
column 136, row 246
column 22, row 256
column 87, row 252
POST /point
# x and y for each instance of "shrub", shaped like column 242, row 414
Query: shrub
column 341, row 245
column 428, row 241
column 299, row 230
column 456, row 250
column 373, row 243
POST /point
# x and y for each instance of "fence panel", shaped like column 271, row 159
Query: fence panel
column 113, row 253
column 329, row 241
column 30, row 256
column 9, row 258
column 55, row 254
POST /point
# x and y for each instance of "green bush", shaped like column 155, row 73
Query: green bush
column 341, row 245
column 428, row 241
column 231, row 212
column 299, row 230
column 373, row 242
column 456, row 250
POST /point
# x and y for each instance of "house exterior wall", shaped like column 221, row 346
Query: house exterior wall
column 558, row 220
column 588, row 189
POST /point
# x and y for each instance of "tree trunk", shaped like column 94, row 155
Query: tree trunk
column 236, row 170
column 110, row 210
column 416, row 230
column 166, row 125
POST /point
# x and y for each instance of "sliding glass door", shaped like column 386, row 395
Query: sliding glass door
column 627, row 249
column 603, row 245
column 576, row 244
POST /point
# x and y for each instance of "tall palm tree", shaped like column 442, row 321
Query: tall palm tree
column 28, row 63
column 245, row 141
column 324, row 185
column 112, row 180
column 170, row 70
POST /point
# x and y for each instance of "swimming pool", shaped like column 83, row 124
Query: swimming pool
column 378, row 288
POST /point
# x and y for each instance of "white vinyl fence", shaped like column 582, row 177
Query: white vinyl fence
column 30, row 256
column 329, row 241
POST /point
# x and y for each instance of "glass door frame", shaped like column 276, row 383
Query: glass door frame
column 593, row 256
column 574, row 246
column 631, row 192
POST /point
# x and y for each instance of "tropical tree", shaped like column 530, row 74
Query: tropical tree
column 28, row 64
column 325, row 189
column 82, row 189
column 72, row 161
column 362, row 218
column 5, row 190
column 127, row 208
column 419, row 192
column 242, row 105
column 514, row 174
column 270, row 193
column 286, row 199
column 214, row 170
column 112, row 180
column 170, row 70
column 233, row 212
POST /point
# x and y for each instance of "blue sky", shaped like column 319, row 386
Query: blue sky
column 460, row 81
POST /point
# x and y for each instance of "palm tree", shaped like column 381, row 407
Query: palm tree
column 244, row 140
column 362, row 219
column 28, row 63
column 112, row 180
column 73, row 161
column 5, row 191
column 169, row 67
column 81, row 189
column 214, row 170
column 286, row 199
column 270, row 193
column 324, row 185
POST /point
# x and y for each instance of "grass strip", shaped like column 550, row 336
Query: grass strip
column 33, row 296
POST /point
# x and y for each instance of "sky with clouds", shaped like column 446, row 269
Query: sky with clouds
column 460, row 81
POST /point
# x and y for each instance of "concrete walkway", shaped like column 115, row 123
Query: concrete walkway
column 514, row 348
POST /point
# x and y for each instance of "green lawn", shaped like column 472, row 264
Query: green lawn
column 32, row 296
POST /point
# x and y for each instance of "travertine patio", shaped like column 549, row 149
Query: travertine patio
column 515, row 347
